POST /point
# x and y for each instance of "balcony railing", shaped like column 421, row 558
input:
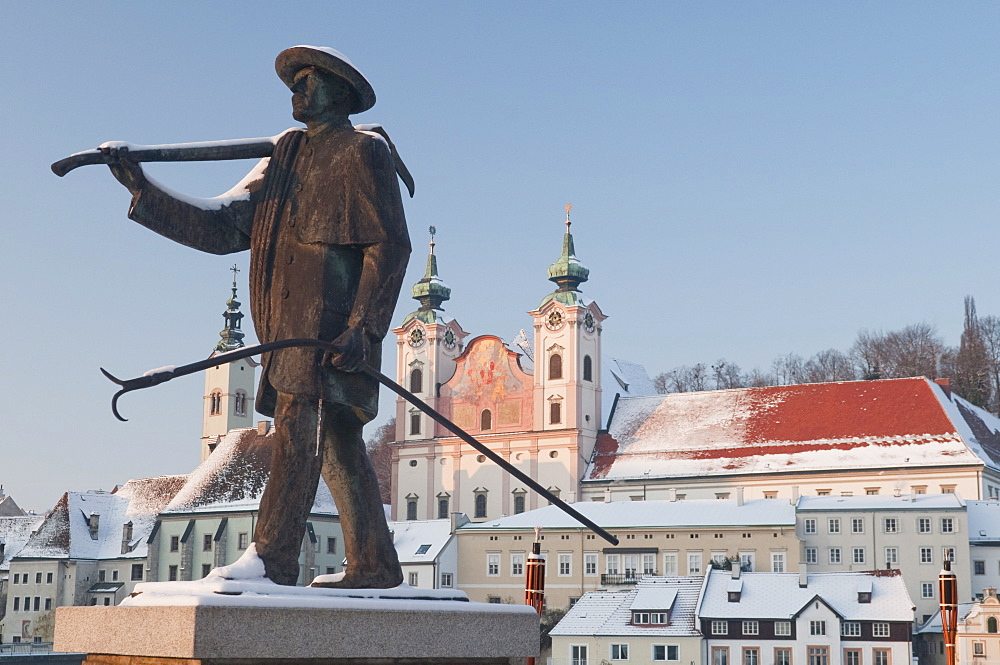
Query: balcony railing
column 22, row 648
column 628, row 577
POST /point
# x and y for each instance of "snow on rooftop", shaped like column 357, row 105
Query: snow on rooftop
column 622, row 378
column 14, row 534
column 856, row 424
column 410, row 537
column 779, row 596
column 984, row 521
column 93, row 525
column 233, row 477
column 632, row 514
column 608, row 613
column 883, row 502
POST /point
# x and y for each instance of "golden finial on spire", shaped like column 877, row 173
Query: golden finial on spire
column 569, row 206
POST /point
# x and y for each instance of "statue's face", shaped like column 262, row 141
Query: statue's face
column 316, row 95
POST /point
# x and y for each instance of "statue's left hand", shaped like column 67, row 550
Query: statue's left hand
column 353, row 343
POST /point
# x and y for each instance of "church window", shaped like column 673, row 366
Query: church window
column 416, row 380
column 518, row 504
column 991, row 625
column 414, row 423
column 480, row 504
column 411, row 509
column 443, row 508
column 240, row 403
column 588, row 369
column 555, row 413
column 555, row 366
column 215, row 407
column 486, row 420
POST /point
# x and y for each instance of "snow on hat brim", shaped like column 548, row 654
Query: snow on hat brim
column 291, row 60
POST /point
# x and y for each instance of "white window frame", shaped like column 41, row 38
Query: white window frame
column 517, row 561
column 924, row 525
column 947, row 525
column 858, row 555
column 720, row 627
column 817, row 627
column 694, row 564
column 782, row 628
column 809, row 525
column 670, row 564
column 812, row 555
column 619, row 651
column 850, row 629
column 751, row 627
column 835, row 556
column 891, row 555
column 666, row 653
column 833, row 525
column 880, row 629
column 565, row 564
column 890, row 524
column 857, row 525
column 590, row 564
column 493, row 564
column 777, row 562
column 927, row 589
column 612, row 564
column 926, row 554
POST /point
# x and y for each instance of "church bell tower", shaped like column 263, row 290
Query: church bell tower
column 229, row 387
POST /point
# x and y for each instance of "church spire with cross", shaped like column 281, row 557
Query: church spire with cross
column 232, row 336
column 567, row 272
column 430, row 291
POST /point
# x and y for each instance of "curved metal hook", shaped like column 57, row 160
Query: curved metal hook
column 114, row 400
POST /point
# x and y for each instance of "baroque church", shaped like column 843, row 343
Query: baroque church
column 539, row 403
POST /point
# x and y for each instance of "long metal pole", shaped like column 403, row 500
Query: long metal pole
column 156, row 377
column 948, row 587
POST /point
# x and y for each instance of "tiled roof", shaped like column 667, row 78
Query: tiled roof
column 634, row 514
column 14, row 534
column 233, row 478
column 778, row 596
column 602, row 613
column 855, row 424
column 66, row 533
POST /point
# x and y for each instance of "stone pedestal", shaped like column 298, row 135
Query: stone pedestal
column 405, row 632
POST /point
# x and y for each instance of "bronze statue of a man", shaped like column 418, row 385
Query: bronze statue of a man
column 328, row 249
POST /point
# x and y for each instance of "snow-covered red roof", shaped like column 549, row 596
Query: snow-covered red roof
column 66, row 531
column 856, row 424
column 779, row 596
column 233, row 477
column 609, row 613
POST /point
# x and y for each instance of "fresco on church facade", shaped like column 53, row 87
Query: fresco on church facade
column 488, row 377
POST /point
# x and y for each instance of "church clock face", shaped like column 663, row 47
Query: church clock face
column 449, row 339
column 417, row 336
column 554, row 321
column 588, row 322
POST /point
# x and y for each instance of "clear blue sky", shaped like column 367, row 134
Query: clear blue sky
column 748, row 179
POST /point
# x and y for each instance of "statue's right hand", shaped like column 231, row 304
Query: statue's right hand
column 125, row 170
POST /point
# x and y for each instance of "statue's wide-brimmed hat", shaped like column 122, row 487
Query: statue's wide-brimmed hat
column 291, row 60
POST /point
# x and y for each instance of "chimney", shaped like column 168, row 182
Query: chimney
column 263, row 427
column 945, row 385
column 2, row 495
column 736, row 569
column 739, row 496
column 795, row 494
column 990, row 592
column 458, row 520
column 94, row 521
column 672, row 493
column 803, row 576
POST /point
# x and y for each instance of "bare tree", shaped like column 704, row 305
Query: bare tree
column 829, row 365
column 989, row 327
column 727, row 375
column 788, row 370
column 380, row 453
column 972, row 373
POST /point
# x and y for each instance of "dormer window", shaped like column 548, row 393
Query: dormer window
column 647, row 618
column 734, row 596
column 864, row 596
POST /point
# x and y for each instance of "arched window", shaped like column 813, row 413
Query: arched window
column 481, row 504
column 555, row 413
column 216, row 403
column 443, row 508
column 416, row 380
column 414, row 423
column 991, row 625
column 588, row 369
column 240, row 403
column 486, row 420
column 555, row 366
column 518, row 504
column 411, row 509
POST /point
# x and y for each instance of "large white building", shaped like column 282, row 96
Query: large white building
column 539, row 403
column 907, row 436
